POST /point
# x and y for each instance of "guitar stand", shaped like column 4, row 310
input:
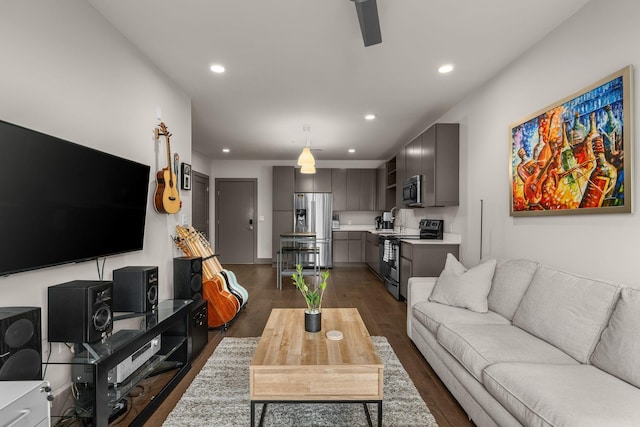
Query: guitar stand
column 222, row 328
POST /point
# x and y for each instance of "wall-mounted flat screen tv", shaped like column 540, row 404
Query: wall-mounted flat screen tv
column 63, row 202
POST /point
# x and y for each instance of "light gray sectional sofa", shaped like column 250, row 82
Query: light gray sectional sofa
column 544, row 347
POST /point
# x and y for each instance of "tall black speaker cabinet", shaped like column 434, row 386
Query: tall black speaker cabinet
column 20, row 344
column 187, row 278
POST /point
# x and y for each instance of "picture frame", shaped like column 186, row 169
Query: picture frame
column 185, row 182
column 575, row 156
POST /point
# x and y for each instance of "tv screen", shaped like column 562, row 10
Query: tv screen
column 64, row 202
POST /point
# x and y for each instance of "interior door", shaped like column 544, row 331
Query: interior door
column 200, row 203
column 236, row 201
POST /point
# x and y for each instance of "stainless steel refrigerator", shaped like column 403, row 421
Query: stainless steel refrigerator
column 312, row 213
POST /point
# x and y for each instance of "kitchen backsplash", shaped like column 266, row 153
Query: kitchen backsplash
column 408, row 218
column 357, row 217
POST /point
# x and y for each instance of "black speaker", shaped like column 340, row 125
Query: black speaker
column 135, row 289
column 20, row 344
column 80, row 311
column 187, row 278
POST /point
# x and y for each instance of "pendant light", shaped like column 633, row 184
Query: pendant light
column 306, row 159
column 308, row 169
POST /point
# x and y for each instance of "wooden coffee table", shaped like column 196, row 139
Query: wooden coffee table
column 291, row 365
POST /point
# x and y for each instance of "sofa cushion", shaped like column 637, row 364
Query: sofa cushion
column 563, row 395
column 510, row 282
column 432, row 314
column 566, row 310
column 464, row 288
column 478, row 346
column 618, row 351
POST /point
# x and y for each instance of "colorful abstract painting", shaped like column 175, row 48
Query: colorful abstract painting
column 574, row 156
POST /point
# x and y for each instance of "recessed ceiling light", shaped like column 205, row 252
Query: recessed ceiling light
column 447, row 68
column 352, row 150
column 370, row 116
column 217, row 68
column 225, row 150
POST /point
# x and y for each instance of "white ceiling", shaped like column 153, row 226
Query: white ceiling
column 296, row 62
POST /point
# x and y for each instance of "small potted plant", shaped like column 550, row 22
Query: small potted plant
column 313, row 297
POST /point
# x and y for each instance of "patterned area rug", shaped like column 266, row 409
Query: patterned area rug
column 219, row 396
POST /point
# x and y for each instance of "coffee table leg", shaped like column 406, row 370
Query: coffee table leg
column 380, row 413
column 253, row 413
column 264, row 411
column 366, row 412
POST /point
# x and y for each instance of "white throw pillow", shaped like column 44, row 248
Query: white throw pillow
column 618, row 351
column 464, row 288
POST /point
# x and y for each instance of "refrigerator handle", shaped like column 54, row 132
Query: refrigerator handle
column 311, row 223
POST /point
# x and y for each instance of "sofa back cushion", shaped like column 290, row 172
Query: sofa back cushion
column 510, row 282
column 618, row 351
column 566, row 310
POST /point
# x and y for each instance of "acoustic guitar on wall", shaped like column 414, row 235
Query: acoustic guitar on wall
column 166, row 199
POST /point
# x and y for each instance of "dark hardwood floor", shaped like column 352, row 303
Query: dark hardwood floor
column 348, row 287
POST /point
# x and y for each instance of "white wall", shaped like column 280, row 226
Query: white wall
column 66, row 72
column 600, row 39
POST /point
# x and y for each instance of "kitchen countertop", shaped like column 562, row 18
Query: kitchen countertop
column 448, row 238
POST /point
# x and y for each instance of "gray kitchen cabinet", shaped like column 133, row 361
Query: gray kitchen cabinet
column 372, row 253
column 355, row 246
column 303, row 182
column 322, row 180
column 282, row 222
column 348, row 246
column 283, row 188
column 367, row 190
column 423, row 260
column 340, row 246
column 354, row 187
column 319, row 182
column 406, row 271
column 361, row 190
column 339, row 189
column 413, row 157
column 440, row 165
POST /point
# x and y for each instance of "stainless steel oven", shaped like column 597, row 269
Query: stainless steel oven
column 390, row 264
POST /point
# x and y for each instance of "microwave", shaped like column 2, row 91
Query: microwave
column 412, row 191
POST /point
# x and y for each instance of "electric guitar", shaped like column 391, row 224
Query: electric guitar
column 166, row 199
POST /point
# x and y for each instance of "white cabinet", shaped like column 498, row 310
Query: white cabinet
column 25, row 403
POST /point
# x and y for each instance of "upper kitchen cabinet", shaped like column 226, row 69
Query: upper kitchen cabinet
column 361, row 190
column 303, row 182
column 283, row 188
column 440, row 165
column 354, row 182
column 339, row 189
column 367, row 189
column 413, row 157
column 322, row 181
column 319, row 182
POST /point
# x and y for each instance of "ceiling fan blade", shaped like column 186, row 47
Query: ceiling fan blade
column 369, row 22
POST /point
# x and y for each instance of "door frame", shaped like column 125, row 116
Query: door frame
column 200, row 175
column 255, row 211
